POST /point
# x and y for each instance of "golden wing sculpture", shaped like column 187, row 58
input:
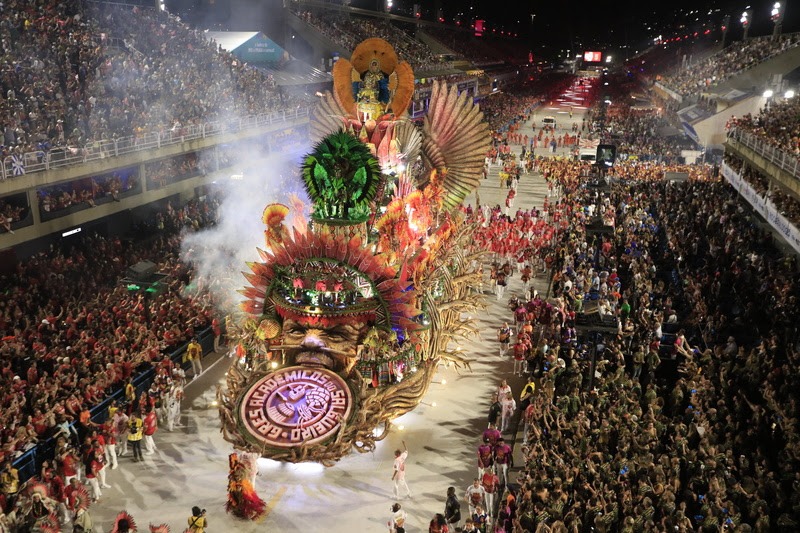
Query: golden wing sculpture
column 455, row 142
column 409, row 140
column 327, row 117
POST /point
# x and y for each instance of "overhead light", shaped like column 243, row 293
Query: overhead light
column 768, row 93
column 788, row 94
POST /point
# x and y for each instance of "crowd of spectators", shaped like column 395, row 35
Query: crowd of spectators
column 491, row 48
column 348, row 31
column 10, row 213
column 731, row 61
column 503, row 110
column 786, row 204
column 71, row 333
column 87, row 191
column 666, row 57
column 166, row 171
column 640, row 132
column 74, row 73
column 637, row 443
column 778, row 125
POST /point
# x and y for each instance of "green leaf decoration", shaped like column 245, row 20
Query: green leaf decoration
column 341, row 177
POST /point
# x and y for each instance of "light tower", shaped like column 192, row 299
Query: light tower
column 776, row 15
column 745, row 19
column 726, row 23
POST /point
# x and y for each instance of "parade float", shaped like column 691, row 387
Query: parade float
column 347, row 315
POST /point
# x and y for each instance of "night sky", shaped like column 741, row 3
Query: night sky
column 556, row 26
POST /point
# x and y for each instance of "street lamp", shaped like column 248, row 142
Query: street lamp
column 726, row 23
column 745, row 19
column 777, row 17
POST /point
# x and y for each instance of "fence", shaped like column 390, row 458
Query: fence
column 30, row 462
column 778, row 156
column 40, row 161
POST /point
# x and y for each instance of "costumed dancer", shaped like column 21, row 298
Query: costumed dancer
column 242, row 498
column 38, row 511
column 173, row 406
column 124, row 523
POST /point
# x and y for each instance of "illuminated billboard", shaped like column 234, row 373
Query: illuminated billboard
column 479, row 27
column 592, row 57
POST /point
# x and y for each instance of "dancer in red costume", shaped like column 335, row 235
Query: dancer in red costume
column 242, row 498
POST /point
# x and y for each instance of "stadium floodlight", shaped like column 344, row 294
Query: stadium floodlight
column 788, row 94
column 745, row 19
column 608, row 59
column 776, row 15
column 768, row 93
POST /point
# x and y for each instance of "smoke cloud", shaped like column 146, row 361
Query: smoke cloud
column 220, row 254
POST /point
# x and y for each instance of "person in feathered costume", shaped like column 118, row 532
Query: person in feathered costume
column 273, row 217
column 242, row 498
column 38, row 511
column 162, row 528
column 124, row 523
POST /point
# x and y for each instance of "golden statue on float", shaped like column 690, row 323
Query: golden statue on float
column 348, row 316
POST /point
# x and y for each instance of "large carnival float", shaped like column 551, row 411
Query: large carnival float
column 347, row 315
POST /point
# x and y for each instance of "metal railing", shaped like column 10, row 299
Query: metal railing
column 778, row 156
column 40, row 161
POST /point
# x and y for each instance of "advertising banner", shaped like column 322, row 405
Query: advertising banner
column 764, row 207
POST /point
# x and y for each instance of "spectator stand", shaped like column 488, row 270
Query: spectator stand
column 14, row 166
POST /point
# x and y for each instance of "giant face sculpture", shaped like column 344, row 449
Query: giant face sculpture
column 311, row 344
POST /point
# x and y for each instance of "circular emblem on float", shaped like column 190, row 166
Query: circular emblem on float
column 295, row 406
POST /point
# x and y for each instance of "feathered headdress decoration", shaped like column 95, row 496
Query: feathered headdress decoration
column 124, row 523
column 82, row 499
column 37, row 487
column 163, row 528
column 379, row 293
column 49, row 524
column 455, row 142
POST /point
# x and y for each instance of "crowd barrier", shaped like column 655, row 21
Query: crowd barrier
column 41, row 160
column 30, row 462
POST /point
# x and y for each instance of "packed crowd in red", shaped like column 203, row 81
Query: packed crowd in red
column 71, row 333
